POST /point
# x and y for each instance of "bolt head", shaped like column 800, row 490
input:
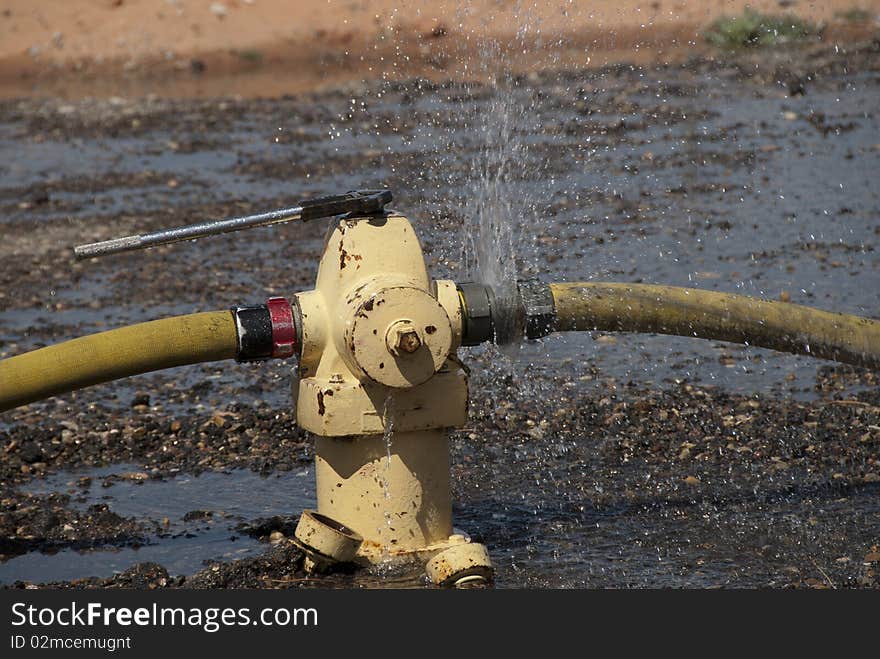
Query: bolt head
column 408, row 342
column 403, row 338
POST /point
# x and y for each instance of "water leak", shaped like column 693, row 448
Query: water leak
column 388, row 418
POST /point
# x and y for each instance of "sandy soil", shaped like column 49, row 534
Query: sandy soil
column 76, row 48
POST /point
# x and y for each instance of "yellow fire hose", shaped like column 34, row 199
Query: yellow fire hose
column 719, row 316
column 582, row 306
column 118, row 353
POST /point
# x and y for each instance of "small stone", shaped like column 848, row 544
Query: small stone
column 175, row 426
column 219, row 9
column 872, row 557
column 276, row 536
column 140, row 398
column 193, row 515
column 785, row 296
column 789, row 115
column 30, row 452
column 692, row 480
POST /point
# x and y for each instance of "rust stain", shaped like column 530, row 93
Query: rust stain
column 430, row 329
column 321, row 408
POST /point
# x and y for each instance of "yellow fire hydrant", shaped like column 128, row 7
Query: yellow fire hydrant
column 379, row 385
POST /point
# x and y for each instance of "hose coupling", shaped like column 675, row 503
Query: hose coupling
column 267, row 331
column 538, row 308
column 529, row 312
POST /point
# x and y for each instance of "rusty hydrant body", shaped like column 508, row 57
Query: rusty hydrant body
column 379, row 385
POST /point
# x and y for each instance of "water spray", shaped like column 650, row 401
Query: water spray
column 378, row 380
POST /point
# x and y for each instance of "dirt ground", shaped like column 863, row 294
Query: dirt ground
column 258, row 48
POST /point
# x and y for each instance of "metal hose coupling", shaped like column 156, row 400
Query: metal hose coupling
column 528, row 312
column 267, row 331
column 537, row 308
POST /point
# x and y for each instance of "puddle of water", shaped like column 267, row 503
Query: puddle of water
column 232, row 497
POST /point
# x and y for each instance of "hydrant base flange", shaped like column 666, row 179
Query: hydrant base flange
column 463, row 564
column 371, row 553
column 325, row 541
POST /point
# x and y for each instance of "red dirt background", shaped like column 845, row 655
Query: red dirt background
column 270, row 47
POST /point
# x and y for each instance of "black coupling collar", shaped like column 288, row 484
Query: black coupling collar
column 477, row 301
column 529, row 313
column 266, row 331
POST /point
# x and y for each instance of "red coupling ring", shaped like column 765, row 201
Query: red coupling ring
column 283, row 329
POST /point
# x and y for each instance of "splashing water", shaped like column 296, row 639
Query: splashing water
column 490, row 231
column 388, row 435
column 501, row 211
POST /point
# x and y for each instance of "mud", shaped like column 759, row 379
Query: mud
column 588, row 460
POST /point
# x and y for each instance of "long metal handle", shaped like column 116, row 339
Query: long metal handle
column 167, row 236
column 365, row 202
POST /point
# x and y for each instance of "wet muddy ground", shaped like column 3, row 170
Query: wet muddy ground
column 589, row 460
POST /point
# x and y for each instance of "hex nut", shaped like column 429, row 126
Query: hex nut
column 403, row 338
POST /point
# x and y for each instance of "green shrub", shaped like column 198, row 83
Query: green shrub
column 854, row 15
column 755, row 29
column 251, row 56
